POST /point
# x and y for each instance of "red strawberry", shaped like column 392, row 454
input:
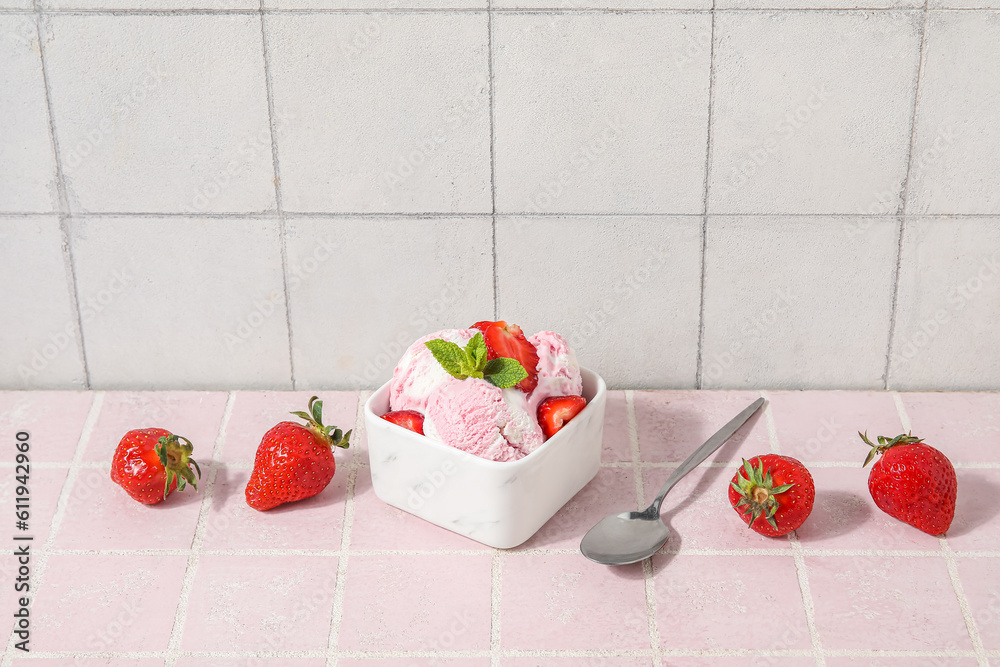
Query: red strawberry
column 410, row 419
column 772, row 494
column 912, row 482
column 151, row 463
column 555, row 411
column 294, row 461
column 507, row 340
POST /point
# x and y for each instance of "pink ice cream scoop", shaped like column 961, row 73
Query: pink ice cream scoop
column 474, row 415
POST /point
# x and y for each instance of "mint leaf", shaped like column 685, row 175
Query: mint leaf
column 451, row 357
column 476, row 351
column 504, row 372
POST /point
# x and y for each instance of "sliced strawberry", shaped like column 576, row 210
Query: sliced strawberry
column 555, row 411
column 410, row 419
column 507, row 340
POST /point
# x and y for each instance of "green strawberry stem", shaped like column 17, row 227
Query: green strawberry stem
column 331, row 435
column 885, row 444
column 757, row 493
column 174, row 452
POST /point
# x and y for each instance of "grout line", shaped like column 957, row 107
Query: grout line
column 57, row 518
column 901, row 211
column 63, row 213
column 801, row 571
column 282, row 236
column 699, row 364
column 190, row 571
column 963, row 602
column 110, row 11
column 772, row 430
column 337, row 612
column 496, row 590
column 807, row 600
column 904, row 419
column 640, row 497
column 493, row 160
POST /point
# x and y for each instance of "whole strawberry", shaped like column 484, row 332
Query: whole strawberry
column 772, row 494
column 294, row 461
column 912, row 482
column 151, row 463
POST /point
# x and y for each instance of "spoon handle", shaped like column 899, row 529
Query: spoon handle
column 705, row 450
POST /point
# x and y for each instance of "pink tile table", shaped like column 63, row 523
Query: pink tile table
column 344, row 580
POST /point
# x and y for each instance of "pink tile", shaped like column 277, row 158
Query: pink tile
column 698, row 512
column 93, row 662
column 963, row 425
column 616, row 441
column 260, row 603
column 909, row 661
column 698, row 599
column 596, row 661
column 672, row 424
column 824, row 425
column 254, row 662
column 612, row 490
column 107, row 603
column 313, row 523
column 54, row 419
column 564, row 601
column 380, row 526
column 100, row 515
column 9, row 602
column 256, row 412
column 193, row 414
column 881, row 603
column 360, row 447
column 44, row 486
column 976, row 526
column 981, row 584
column 846, row 517
column 417, row 602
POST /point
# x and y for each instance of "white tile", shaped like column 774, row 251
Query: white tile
column 376, row 4
column 390, row 111
column 363, row 289
column 151, row 4
column 597, row 4
column 39, row 338
column 599, row 113
column 812, row 111
column 819, row 4
column 624, row 291
column 956, row 154
column 797, row 303
column 27, row 164
column 17, row 4
column 182, row 303
column 948, row 305
column 163, row 113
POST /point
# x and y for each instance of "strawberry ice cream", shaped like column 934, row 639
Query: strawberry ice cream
column 474, row 415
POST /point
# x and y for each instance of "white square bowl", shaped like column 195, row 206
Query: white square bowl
column 498, row 504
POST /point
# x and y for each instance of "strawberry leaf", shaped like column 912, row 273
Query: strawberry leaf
column 504, row 372
column 317, row 411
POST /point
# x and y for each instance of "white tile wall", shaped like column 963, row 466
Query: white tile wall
column 784, row 297
column 599, row 113
column 812, row 111
column 39, row 337
column 362, row 289
column 386, row 112
column 957, row 151
column 623, row 291
column 948, row 308
column 161, row 113
column 403, row 165
column 182, row 302
column 27, row 167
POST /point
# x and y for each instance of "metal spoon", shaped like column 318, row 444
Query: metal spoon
column 629, row 537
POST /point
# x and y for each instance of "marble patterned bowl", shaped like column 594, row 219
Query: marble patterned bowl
column 498, row 504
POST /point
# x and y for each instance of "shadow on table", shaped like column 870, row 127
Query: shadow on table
column 973, row 506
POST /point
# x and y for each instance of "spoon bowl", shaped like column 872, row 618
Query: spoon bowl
column 630, row 537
